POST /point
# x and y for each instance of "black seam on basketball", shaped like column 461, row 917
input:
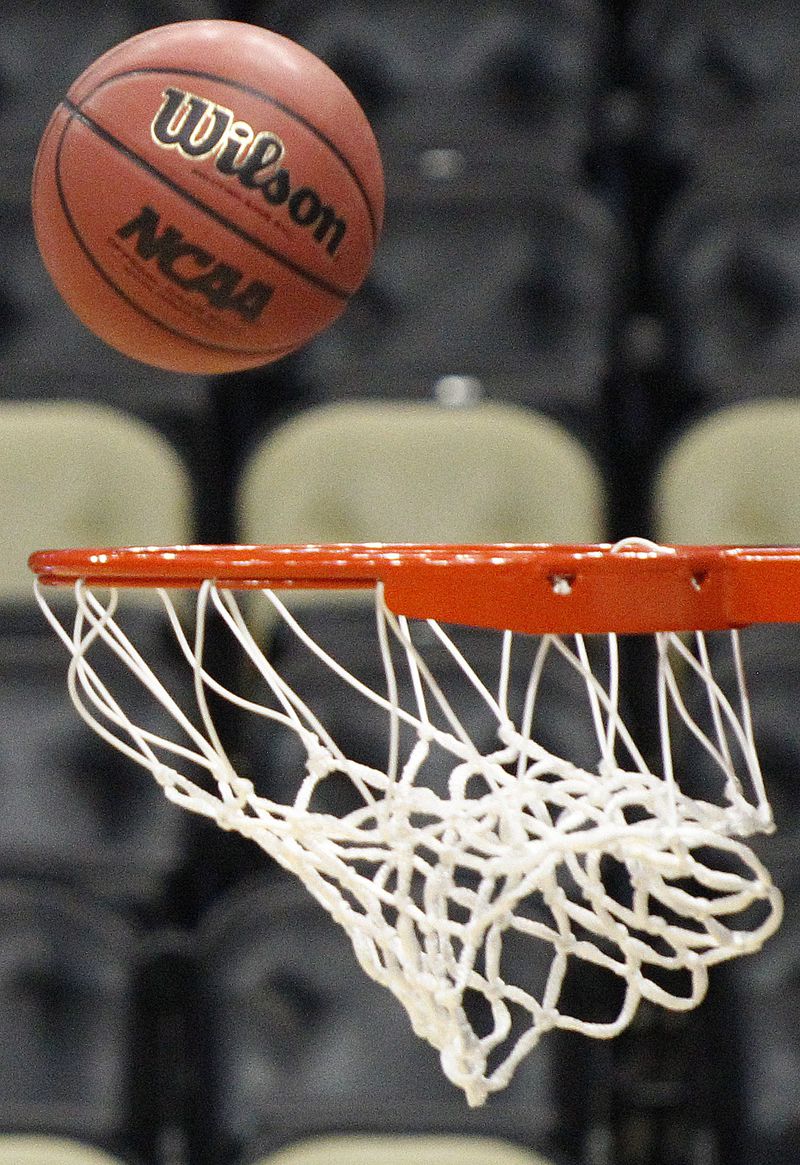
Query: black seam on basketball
column 265, row 97
column 187, row 337
column 99, row 131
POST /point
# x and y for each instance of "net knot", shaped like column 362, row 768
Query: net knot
column 320, row 761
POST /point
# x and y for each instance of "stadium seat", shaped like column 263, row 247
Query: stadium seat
column 403, row 473
column 730, row 477
column 724, row 270
column 400, row 1150
column 36, row 1150
column 67, row 993
column 71, row 806
column 535, row 325
column 78, row 474
column 523, row 76
column 704, row 68
column 309, row 1057
column 395, row 472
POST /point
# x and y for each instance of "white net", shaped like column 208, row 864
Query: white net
column 484, row 899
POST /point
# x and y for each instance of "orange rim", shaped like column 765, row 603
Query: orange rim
column 629, row 588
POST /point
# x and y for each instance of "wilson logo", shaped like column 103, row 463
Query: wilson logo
column 194, row 268
column 202, row 129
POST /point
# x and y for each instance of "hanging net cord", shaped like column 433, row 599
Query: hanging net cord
column 431, row 883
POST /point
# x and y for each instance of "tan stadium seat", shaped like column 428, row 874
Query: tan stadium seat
column 82, row 474
column 423, row 473
column 732, row 478
column 40, row 1150
column 79, row 474
column 404, row 1150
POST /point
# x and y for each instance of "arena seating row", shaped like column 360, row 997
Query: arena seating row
column 523, row 79
column 619, row 299
column 708, row 71
column 541, row 325
column 268, row 1048
column 108, row 847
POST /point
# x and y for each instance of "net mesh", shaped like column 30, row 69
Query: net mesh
column 482, row 899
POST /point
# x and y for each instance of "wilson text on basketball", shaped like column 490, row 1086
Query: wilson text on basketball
column 194, row 268
column 202, row 129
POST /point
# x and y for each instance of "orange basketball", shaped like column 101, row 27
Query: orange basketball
column 208, row 196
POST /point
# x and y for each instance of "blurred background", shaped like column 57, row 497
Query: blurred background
column 592, row 245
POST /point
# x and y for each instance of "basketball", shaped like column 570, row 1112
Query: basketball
column 208, row 196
